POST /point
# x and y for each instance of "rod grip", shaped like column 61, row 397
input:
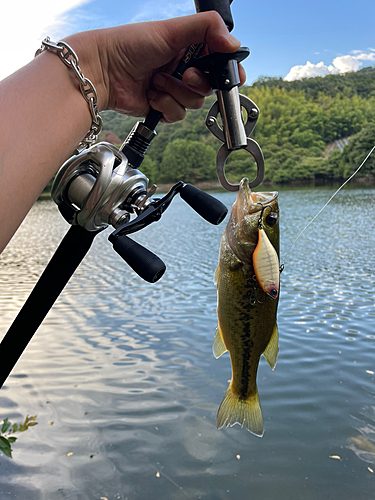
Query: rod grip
column 193, row 52
column 208, row 207
column 221, row 6
column 145, row 263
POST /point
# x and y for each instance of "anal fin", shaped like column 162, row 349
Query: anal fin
column 272, row 349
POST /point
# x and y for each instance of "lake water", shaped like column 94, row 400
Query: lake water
column 126, row 389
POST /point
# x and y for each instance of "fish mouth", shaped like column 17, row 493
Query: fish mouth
column 253, row 202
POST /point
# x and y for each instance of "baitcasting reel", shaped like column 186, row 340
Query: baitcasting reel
column 99, row 187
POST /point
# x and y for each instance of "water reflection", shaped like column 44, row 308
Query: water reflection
column 124, row 369
column 363, row 443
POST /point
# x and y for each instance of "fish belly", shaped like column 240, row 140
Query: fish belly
column 246, row 328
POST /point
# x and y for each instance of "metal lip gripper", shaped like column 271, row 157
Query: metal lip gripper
column 234, row 133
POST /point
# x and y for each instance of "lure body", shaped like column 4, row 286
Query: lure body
column 266, row 265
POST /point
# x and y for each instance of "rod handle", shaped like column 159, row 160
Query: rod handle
column 193, row 52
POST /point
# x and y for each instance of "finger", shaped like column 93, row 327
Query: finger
column 242, row 74
column 172, row 110
column 197, row 81
column 207, row 27
column 186, row 97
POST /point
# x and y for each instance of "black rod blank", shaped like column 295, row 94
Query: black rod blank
column 56, row 275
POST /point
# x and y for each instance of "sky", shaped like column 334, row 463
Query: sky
column 290, row 39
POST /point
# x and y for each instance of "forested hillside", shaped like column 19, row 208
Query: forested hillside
column 297, row 121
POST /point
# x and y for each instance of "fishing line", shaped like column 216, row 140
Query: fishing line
column 329, row 201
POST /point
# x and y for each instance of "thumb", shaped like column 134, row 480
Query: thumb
column 208, row 27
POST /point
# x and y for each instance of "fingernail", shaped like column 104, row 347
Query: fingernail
column 194, row 80
column 159, row 80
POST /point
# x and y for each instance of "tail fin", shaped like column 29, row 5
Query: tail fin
column 234, row 410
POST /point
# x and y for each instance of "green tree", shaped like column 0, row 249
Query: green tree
column 356, row 151
column 190, row 161
column 149, row 168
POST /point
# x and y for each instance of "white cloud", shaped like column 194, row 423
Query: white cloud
column 366, row 57
column 346, row 63
column 153, row 10
column 23, row 26
column 340, row 64
column 309, row 70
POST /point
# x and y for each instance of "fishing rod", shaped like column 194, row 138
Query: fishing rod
column 102, row 186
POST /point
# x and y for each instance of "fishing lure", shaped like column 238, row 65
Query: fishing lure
column 266, row 262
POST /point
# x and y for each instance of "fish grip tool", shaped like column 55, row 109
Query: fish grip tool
column 234, row 133
column 222, row 69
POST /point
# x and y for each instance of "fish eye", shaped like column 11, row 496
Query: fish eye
column 271, row 219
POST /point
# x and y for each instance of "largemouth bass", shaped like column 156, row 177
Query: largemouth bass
column 247, row 289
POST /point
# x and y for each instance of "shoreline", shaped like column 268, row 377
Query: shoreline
column 308, row 183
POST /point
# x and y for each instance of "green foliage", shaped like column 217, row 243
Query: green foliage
column 7, row 428
column 191, row 161
column 361, row 83
column 297, row 121
column 149, row 168
column 357, row 150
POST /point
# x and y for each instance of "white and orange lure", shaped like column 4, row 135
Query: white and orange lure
column 266, row 264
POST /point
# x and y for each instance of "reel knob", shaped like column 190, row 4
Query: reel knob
column 208, row 207
column 145, row 263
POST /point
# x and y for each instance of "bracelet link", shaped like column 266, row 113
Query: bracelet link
column 88, row 91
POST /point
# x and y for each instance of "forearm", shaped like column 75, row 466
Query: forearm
column 43, row 118
column 43, row 115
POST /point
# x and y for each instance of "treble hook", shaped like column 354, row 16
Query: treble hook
column 262, row 213
column 255, row 300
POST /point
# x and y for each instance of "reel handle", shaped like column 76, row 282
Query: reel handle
column 145, row 263
column 208, row 207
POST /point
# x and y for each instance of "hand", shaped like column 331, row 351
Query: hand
column 130, row 65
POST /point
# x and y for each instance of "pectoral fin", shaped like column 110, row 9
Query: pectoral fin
column 218, row 347
column 272, row 349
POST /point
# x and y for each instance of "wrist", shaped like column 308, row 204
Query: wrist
column 89, row 48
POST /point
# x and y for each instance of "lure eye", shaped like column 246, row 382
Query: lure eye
column 273, row 293
column 271, row 219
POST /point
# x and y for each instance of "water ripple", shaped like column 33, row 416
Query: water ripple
column 124, row 373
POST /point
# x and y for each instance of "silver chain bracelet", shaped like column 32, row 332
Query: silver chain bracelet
column 70, row 58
